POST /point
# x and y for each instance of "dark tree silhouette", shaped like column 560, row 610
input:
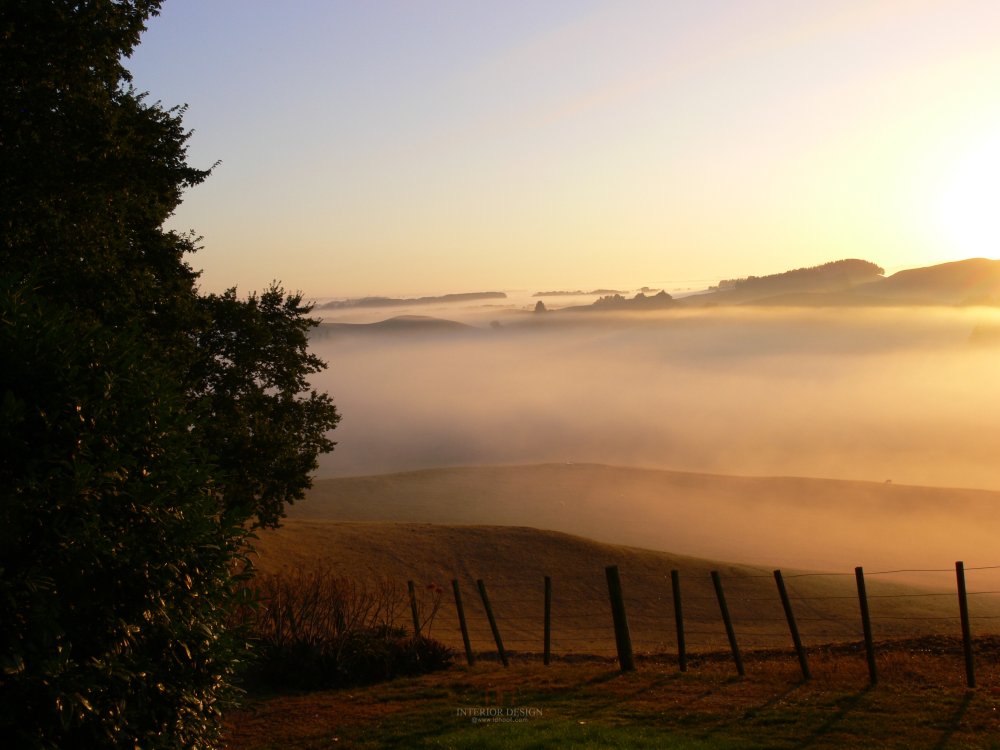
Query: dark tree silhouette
column 144, row 427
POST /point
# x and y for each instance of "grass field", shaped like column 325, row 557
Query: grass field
column 920, row 702
column 513, row 562
column 423, row 527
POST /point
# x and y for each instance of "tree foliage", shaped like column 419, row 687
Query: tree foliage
column 265, row 423
column 144, row 427
column 838, row 272
column 116, row 564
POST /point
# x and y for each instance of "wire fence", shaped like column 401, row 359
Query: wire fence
column 698, row 612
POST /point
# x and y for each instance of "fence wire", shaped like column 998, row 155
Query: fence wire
column 581, row 624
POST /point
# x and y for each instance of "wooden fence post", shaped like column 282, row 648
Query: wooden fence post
column 963, row 608
column 866, row 624
column 786, row 603
column 675, row 585
column 413, row 608
column 727, row 620
column 547, row 649
column 493, row 622
column 462, row 624
column 623, row 640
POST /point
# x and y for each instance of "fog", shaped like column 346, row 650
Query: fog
column 903, row 395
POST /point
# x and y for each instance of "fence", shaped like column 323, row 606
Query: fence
column 692, row 613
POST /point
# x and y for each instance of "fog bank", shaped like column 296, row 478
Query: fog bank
column 902, row 395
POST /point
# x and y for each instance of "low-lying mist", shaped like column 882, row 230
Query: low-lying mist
column 904, row 395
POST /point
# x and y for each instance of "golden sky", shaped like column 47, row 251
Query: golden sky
column 442, row 146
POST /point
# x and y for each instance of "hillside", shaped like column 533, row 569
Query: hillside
column 409, row 301
column 834, row 278
column 921, row 681
column 788, row 521
column 855, row 283
column 514, row 561
column 975, row 281
column 400, row 324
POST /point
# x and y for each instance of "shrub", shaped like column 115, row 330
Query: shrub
column 312, row 629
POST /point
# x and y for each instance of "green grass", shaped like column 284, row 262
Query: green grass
column 866, row 718
column 541, row 734
column 919, row 703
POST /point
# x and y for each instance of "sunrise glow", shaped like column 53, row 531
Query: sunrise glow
column 969, row 209
column 383, row 148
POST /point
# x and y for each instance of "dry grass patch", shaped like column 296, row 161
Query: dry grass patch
column 514, row 561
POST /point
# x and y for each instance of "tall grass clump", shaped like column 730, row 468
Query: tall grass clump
column 312, row 629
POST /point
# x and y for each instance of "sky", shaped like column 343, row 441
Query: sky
column 383, row 147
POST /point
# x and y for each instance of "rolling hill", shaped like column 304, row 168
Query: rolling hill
column 400, row 324
column 508, row 526
column 513, row 561
column 975, row 281
column 774, row 521
column 852, row 283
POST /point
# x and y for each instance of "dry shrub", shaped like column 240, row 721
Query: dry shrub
column 312, row 629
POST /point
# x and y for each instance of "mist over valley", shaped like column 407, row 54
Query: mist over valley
column 881, row 394
column 895, row 397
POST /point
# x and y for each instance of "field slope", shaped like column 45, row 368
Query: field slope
column 484, row 524
column 770, row 521
column 513, row 562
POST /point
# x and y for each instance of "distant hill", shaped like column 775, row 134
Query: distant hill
column 859, row 283
column 836, row 277
column 407, row 301
column 975, row 281
column 774, row 520
column 398, row 324
column 838, row 273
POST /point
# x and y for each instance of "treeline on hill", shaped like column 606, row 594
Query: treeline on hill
column 640, row 301
column 846, row 272
column 145, row 427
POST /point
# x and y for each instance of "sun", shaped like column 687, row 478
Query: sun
column 968, row 207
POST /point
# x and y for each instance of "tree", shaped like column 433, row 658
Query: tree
column 144, row 427
column 265, row 436
column 115, row 564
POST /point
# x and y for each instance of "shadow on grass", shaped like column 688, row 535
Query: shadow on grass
column 846, row 706
column 956, row 721
column 771, row 702
column 603, row 677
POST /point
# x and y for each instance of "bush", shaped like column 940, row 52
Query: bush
column 115, row 565
column 312, row 630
